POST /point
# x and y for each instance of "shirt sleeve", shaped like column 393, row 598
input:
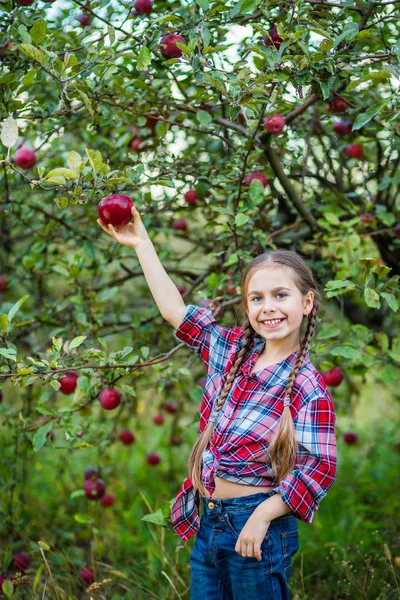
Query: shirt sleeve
column 315, row 469
column 202, row 334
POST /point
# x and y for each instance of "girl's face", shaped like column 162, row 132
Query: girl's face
column 275, row 305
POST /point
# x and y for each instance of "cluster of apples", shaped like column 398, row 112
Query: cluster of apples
column 138, row 142
column 109, row 397
column 95, row 488
column 343, row 127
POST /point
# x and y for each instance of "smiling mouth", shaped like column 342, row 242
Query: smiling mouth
column 271, row 322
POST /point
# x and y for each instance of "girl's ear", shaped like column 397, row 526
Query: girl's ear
column 308, row 303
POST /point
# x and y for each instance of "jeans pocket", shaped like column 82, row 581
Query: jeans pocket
column 290, row 545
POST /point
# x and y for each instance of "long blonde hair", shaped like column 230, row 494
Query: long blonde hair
column 282, row 450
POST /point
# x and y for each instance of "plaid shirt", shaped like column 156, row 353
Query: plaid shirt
column 248, row 419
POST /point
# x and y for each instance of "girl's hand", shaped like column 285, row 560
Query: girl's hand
column 130, row 235
column 252, row 536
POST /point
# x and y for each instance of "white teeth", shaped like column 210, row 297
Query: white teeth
column 272, row 322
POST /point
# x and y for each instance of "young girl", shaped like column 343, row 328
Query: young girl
column 266, row 454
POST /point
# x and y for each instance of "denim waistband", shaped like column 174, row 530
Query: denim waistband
column 217, row 505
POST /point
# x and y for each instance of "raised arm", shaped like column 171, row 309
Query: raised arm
column 163, row 289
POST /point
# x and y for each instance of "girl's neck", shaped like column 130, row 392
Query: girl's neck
column 274, row 354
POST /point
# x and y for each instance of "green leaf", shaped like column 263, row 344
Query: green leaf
column 44, row 546
column 83, row 519
column 62, row 172
column 326, row 45
column 371, row 298
column 32, row 52
column 203, row 117
column 338, row 286
column 56, row 180
column 203, row 4
column 248, row 6
column 3, row 322
column 389, row 374
column 77, row 341
column 40, row 437
column 366, row 116
column 74, row 160
column 241, row 219
column 157, row 517
column 256, row 191
column 349, row 32
column 7, row 588
column 144, row 58
column 145, row 351
column 9, row 353
column 9, row 132
column 346, row 352
column 14, row 309
column 391, row 300
column 329, row 332
column 38, row 31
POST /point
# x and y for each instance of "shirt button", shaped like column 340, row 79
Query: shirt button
column 211, row 505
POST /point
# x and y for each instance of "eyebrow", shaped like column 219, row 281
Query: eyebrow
column 274, row 290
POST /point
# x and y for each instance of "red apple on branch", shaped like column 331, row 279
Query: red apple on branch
column 168, row 45
column 273, row 38
column 158, row 419
column 91, row 473
column 249, row 178
column 350, row 437
column 191, row 197
column 137, row 145
column 127, row 437
column 68, row 383
column 274, row 124
column 22, row 560
column 153, row 458
column 3, row 284
column 25, row 158
column 334, row 377
column 25, row 2
column 87, row 575
column 115, row 209
column 180, row 225
column 343, row 127
column 142, row 7
column 84, row 20
column 171, row 406
column 94, row 489
column 355, row 151
column 338, row 105
column 107, row 500
column 109, row 398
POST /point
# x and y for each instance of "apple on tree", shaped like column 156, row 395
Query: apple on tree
column 109, row 398
column 343, row 127
column 84, row 20
column 25, row 158
column 168, row 45
column 127, row 437
column 334, row 377
column 158, row 419
column 180, row 225
column 274, row 124
column 171, row 406
column 142, row 7
column 355, row 151
column 22, row 560
column 191, row 197
column 25, row 2
column 350, row 437
column 94, row 489
column 91, row 473
column 3, row 284
column 107, row 500
column 338, row 105
column 137, row 145
column 260, row 176
column 153, row 458
column 115, row 209
column 87, row 575
column 273, row 38
column 68, row 382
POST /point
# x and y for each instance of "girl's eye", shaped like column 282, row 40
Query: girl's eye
column 279, row 294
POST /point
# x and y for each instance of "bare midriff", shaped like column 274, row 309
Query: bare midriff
column 230, row 489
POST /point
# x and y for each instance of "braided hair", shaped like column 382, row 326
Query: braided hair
column 282, row 451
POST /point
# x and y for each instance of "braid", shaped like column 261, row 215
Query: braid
column 283, row 447
column 196, row 455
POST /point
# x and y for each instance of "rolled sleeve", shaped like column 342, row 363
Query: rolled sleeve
column 316, row 465
column 199, row 331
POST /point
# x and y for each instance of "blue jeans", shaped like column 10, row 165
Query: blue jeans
column 218, row 572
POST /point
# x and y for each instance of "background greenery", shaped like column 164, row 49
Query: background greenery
column 75, row 299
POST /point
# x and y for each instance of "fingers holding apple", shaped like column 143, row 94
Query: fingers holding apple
column 115, row 214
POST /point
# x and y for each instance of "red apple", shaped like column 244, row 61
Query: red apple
column 91, row 473
column 107, row 500
column 25, row 158
column 94, row 489
column 211, row 304
column 171, row 406
column 181, row 289
column 87, row 575
column 158, row 419
column 180, row 225
column 168, row 45
column 397, row 231
column 137, row 145
column 169, row 385
column 230, row 287
column 366, row 218
column 350, row 437
column 22, row 560
column 153, row 458
column 334, row 377
column 109, row 398
column 274, row 124
column 191, row 197
column 249, row 178
column 355, row 151
column 115, row 209
column 273, row 38
column 68, row 383
column 25, row 2
column 127, row 437
column 343, row 127
column 3, row 284
column 338, row 105
column 143, row 7
column 152, row 120
column 84, row 20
